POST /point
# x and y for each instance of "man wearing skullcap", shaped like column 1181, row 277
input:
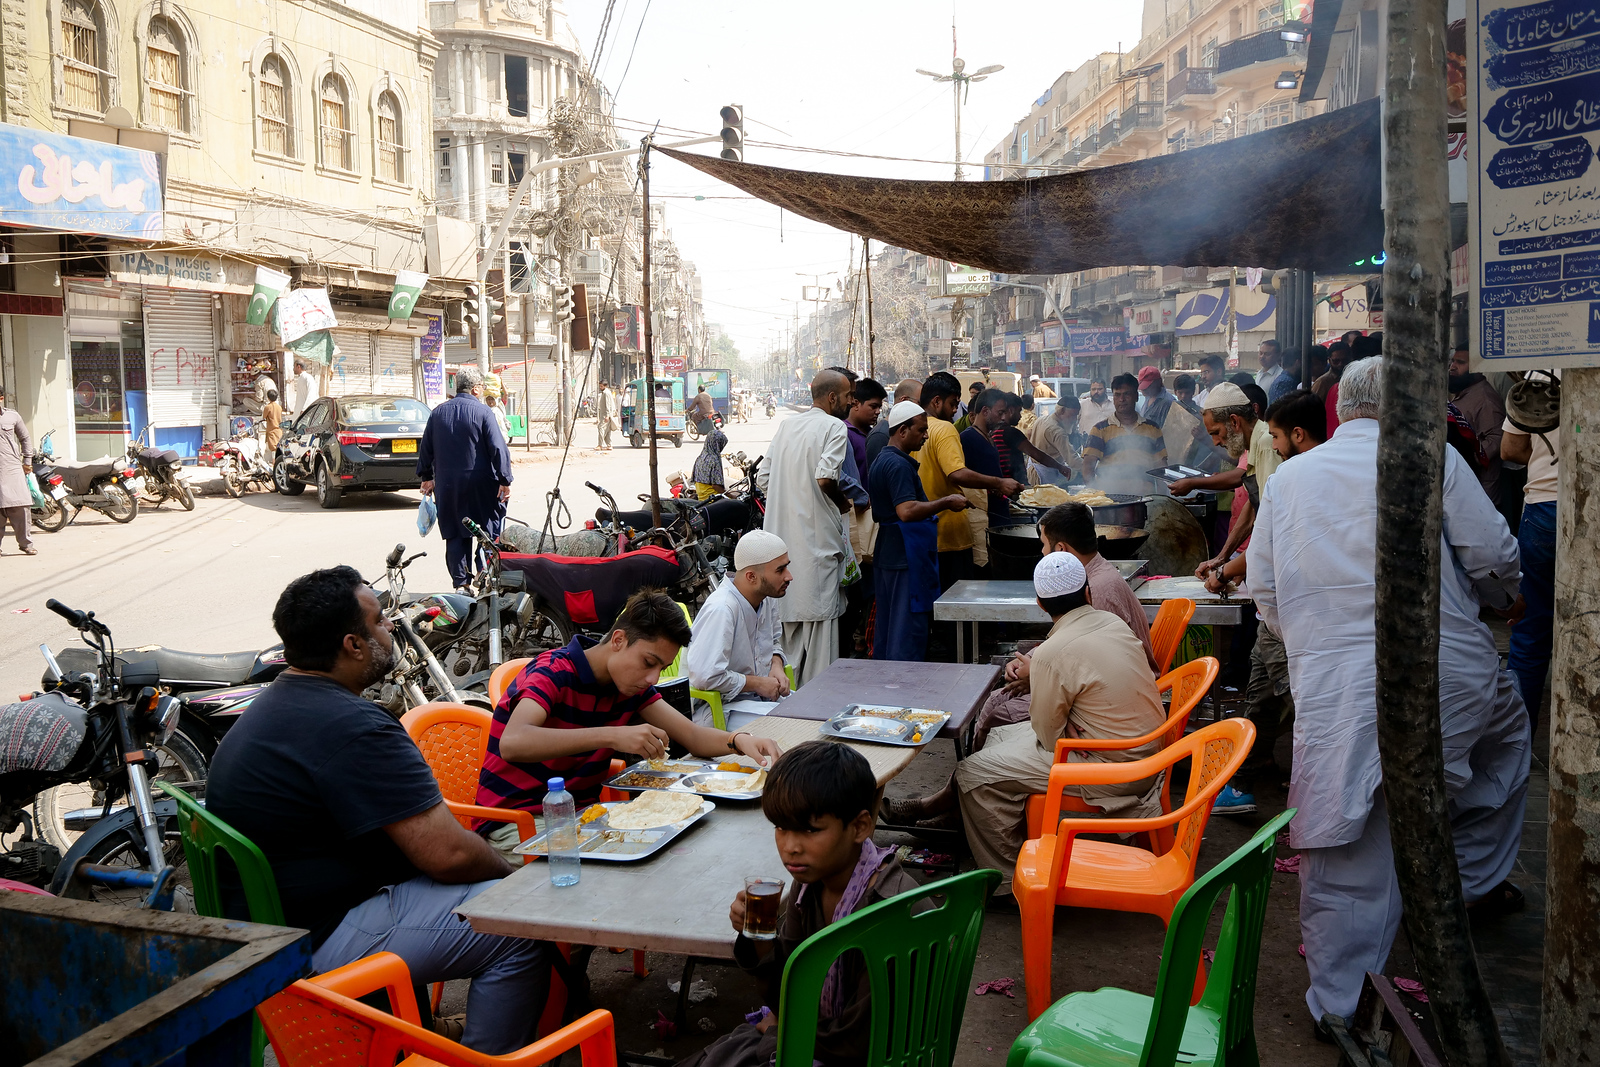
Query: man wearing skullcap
column 1091, row 679
column 1231, row 420
column 738, row 638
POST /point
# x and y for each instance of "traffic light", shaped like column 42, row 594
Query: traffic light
column 495, row 287
column 581, row 339
column 733, row 132
column 472, row 309
column 561, row 304
column 453, row 324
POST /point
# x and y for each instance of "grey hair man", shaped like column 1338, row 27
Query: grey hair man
column 1312, row 563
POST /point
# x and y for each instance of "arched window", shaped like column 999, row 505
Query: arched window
column 83, row 74
column 166, row 76
column 275, row 106
column 391, row 139
column 337, row 135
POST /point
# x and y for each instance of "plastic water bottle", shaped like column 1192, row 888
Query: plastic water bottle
column 561, row 833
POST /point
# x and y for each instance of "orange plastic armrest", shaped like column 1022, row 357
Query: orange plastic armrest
column 381, row 970
column 1105, row 744
column 523, row 820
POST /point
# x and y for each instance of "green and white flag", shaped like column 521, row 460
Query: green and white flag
column 269, row 284
column 407, row 287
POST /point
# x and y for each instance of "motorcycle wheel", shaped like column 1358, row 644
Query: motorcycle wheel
column 285, row 484
column 122, row 506
column 233, row 481
column 184, row 494
column 542, row 634
column 178, row 761
column 51, row 518
column 636, row 440
column 677, row 440
column 127, row 850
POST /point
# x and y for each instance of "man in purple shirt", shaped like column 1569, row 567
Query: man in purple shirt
column 870, row 396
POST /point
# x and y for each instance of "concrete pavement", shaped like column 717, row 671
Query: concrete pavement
column 206, row 580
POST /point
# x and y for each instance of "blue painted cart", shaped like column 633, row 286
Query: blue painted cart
column 87, row 983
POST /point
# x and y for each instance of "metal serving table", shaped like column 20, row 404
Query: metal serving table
column 957, row 688
column 970, row 603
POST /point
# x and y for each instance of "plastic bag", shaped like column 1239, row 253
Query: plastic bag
column 427, row 515
column 39, row 499
column 852, row 568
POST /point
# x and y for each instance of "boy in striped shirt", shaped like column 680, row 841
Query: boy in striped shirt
column 573, row 707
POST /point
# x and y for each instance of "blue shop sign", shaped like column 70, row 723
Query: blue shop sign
column 55, row 182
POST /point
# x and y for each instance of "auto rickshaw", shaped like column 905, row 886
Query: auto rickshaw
column 669, row 411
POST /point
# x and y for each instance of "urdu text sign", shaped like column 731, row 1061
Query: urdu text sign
column 55, row 182
column 1533, row 82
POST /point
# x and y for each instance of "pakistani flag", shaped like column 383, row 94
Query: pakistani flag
column 269, row 283
column 407, row 287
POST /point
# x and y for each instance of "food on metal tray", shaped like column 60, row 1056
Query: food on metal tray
column 591, row 813
column 747, row 783
column 674, row 766
column 1092, row 498
column 733, row 765
column 1044, row 496
column 885, row 713
column 652, row 809
column 641, row 780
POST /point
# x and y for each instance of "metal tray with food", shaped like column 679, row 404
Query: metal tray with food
column 744, row 784
column 666, row 773
column 598, row 839
column 886, row 724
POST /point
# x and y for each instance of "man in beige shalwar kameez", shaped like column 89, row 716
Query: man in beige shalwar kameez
column 1090, row 678
column 16, row 461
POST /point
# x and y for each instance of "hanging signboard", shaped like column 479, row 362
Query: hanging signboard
column 965, row 281
column 1095, row 341
column 1533, row 74
column 55, row 182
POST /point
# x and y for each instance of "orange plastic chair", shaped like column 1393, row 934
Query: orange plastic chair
column 1059, row 870
column 1189, row 682
column 317, row 1022
column 500, row 678
column 1166, row 633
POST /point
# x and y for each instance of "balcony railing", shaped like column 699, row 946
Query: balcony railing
column 1257, row 48
column 1137, row 117
column 1191, row 81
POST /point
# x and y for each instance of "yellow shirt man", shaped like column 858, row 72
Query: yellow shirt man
column 939, row 458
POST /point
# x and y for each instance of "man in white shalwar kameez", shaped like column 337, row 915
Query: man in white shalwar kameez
column 806, row 507
column 1311, row 564
column 737, row 648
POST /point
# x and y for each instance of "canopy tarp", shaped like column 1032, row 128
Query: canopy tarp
column 1303, row 195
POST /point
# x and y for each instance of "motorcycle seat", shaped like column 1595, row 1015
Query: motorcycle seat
column 42, row 734
column 157, row 457
column 222, row 668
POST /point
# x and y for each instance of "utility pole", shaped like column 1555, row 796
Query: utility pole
column 961, row 83
column 649, row 340
column 1571, row 963
column 872, row 360
column 1410, row 494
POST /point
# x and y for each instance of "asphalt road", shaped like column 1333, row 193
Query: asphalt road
column 206, row 581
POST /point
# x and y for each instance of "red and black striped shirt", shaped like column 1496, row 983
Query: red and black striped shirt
column 562, row 683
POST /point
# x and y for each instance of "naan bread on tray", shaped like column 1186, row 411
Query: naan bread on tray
column 652, row 809
column 1044, row 496
column 749, row 783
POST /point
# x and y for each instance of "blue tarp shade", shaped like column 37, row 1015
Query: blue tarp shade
column 1304, row 195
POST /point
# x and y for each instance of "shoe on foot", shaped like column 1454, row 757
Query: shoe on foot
column 902, row 811
column 450, row 1026
column 1232, row 802
column 30, row 551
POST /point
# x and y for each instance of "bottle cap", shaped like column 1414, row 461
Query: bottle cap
column 557, row 784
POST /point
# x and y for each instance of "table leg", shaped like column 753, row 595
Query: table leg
column 961, row 635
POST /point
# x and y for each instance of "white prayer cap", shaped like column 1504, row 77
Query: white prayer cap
column 757, row 547
column 904, row 411
column 1058, row 574
column 1225, row 395
column 1033, row 377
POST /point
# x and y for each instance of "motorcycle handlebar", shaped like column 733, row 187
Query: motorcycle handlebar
column 594, row 487
column 74, row 617
column 394, row 557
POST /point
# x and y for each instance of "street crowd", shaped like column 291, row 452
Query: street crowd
column 875, row 504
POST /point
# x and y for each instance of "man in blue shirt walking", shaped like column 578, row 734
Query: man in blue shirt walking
column 463, row 462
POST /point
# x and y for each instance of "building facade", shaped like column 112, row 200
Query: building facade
column 291, row 136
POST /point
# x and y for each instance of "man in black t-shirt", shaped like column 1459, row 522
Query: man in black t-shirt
column 349, row 815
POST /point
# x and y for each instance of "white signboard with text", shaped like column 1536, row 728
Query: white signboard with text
column 1533, row 83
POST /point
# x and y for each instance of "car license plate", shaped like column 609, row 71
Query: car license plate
column 136, row 485
column 58, row 492
column 403, row 444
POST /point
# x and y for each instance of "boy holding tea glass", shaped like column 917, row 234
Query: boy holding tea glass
column 821, row 799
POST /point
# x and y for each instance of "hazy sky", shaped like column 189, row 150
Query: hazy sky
column 832, row 75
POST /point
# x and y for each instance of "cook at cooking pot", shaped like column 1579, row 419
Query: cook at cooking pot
column 1124, row 446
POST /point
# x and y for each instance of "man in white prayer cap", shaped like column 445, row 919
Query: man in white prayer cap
column 738, row 638
column 1091, row 679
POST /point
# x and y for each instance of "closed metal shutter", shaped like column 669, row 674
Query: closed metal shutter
column 395, row 374
column 182, row 352
column 352, row 364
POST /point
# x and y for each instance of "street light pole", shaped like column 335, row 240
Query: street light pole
column 960, row 83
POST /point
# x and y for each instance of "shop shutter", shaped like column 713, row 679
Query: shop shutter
column 352, row 364
column 182, row 352
column 395, row 375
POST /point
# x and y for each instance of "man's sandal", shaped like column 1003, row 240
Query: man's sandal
column 1503, row 899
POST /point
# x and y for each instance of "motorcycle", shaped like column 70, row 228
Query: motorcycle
column 99, row 728
column 109, row 486
column 161, row 470
column 243, row 463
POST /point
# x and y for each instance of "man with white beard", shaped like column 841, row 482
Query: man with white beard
column 1312, row 561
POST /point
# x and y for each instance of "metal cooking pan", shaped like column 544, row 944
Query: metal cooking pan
column 1129, row 509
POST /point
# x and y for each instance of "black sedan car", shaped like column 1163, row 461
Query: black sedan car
column 351, row 444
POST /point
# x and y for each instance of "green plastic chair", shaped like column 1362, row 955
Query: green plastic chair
column 1114, row 1026
column 919, row 966
column 203, row 834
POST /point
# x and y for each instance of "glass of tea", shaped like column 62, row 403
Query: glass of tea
column 762, row 900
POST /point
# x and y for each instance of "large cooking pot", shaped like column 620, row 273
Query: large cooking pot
column 1127, row 509
column 1014, row 550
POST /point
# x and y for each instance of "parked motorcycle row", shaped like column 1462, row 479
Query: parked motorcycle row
column 80, row 810
column 113, row 486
